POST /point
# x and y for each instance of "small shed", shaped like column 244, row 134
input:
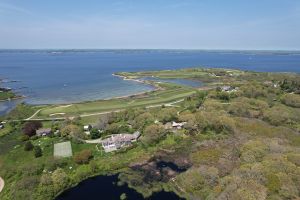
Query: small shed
column 43, row 132
column 87, row 127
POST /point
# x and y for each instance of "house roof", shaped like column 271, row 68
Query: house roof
column 43, row 130
column 125, row 137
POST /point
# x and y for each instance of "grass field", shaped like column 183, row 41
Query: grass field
column 169, row 94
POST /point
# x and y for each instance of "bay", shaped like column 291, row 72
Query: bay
column 67, row 76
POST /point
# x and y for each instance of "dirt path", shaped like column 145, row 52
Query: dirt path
column 166, row 104
column 1, row 184
column 32, row 116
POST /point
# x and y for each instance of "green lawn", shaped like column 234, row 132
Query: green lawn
column 152, row 98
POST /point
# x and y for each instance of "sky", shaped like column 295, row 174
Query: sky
column 150, row 24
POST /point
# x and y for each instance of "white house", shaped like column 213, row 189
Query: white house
column 229, row 89
column 117, row 141
column 178, row 125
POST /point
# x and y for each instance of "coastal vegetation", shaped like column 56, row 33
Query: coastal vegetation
column 7, row 93
column 236, row 137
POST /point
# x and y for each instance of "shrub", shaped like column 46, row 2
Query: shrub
column 167, row 115
column 28, row 146
column 225, row 96
column 292, row 100
column 24, row 138
column 54, row 163
column 123, row 196
column 246, row 107
column 95, row 133
column 281, row 115
column 72, row 131
column 37, row 151
column 22, row 111
column 216, row 122
column 113, row 128
column 60, row 179
column 83, row 157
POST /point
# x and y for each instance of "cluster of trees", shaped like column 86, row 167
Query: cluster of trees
column 281, row 115
column 292, row 100
column 30, row 128
column 36, row 149
column 290, row 85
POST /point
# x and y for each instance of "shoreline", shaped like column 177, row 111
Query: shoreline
column 14, row 98
column 152, row 84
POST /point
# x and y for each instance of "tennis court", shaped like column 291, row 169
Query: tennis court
column 63, row 149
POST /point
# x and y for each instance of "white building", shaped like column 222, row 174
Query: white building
column 117, row 141
column 178, row 125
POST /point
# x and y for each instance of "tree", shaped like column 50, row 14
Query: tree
column 143, row 120
column 123, row 196
column 152, row 134
column 103, row 122
column 60, row 179
column 113, row 128
column 95, row 133
column 29, row 128
column 83, row 157
column 28, row 146
column 72, row 130
column 37, row 151
column 167, row 115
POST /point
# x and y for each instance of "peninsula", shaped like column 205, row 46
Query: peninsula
column 235, row 136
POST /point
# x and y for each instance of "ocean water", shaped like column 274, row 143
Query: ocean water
column 66, row 76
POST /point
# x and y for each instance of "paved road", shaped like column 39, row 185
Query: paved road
column 1, row 184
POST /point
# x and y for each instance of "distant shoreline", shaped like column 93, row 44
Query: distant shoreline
column 14, row 98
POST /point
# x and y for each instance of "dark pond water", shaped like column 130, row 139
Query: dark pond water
column 106, row 188
column 171, row 165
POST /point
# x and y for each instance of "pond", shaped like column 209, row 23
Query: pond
column 184, row 82
column 171, row 165
column 105, row 187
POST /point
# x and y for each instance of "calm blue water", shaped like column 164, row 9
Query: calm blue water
column 48, row 77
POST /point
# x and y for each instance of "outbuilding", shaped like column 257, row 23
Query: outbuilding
column 43, row 132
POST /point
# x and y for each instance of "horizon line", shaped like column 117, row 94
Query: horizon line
column 174, row 49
